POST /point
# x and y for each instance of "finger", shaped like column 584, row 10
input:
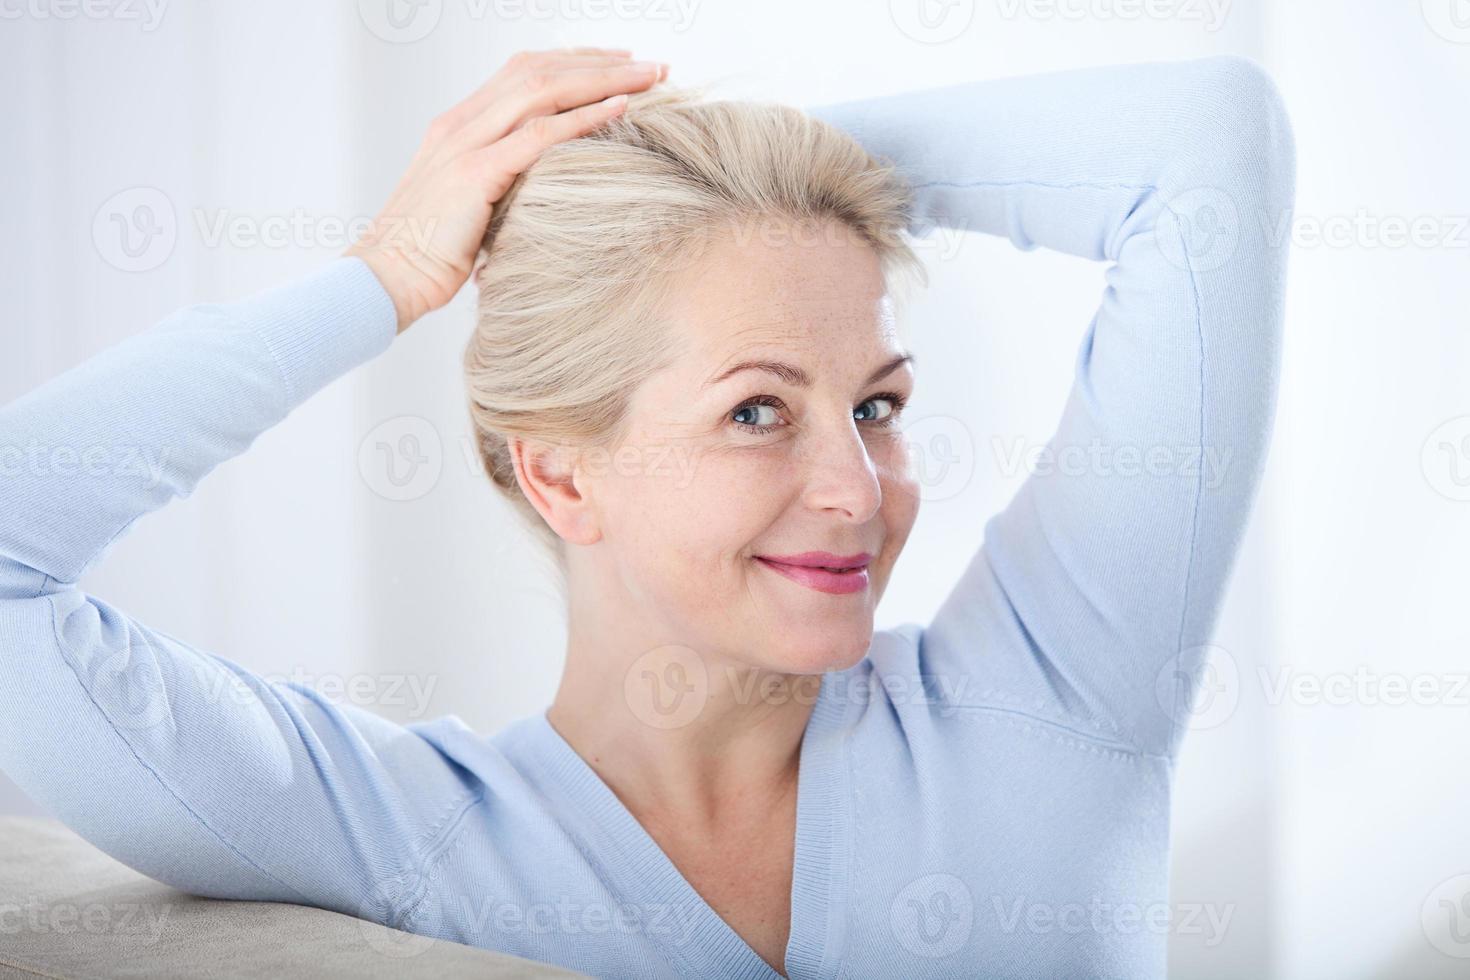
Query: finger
column 501, row 161
column 478, row 100
column 551, row 93
column 523, row 60
column 619, row 51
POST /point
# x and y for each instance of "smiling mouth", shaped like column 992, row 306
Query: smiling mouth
column 832, row 581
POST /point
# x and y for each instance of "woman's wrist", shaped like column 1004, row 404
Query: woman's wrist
column 393, row 280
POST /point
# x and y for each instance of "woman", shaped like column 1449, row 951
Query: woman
column 738, row 777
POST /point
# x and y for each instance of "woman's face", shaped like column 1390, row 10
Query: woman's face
column 721, row 465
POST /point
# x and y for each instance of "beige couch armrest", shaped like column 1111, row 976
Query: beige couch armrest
column 67, row 910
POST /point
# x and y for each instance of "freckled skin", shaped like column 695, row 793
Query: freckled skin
column 661, row 539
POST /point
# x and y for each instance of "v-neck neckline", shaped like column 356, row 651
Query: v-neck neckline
column 633, row 862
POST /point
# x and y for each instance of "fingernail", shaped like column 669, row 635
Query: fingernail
column 643, row 66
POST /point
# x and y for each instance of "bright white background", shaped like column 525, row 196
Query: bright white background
column 1330, row 829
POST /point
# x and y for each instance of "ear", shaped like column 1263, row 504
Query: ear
column 548, row 476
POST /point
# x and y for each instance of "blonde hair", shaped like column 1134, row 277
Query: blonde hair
column 581, row 250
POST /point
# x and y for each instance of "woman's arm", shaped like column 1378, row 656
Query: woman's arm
column 1110, row 562
column 177, row 762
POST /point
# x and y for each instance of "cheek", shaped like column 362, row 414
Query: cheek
column 691, row 508
column 900, row 485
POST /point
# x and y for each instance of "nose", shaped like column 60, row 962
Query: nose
column 840, row 474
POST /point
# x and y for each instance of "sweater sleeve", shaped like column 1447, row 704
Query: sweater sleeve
column 1097, row 588
column 179, row 763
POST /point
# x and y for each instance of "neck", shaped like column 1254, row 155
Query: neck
column 674, row 730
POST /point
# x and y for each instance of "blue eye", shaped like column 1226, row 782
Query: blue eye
column 761, row 415
column 879, row 399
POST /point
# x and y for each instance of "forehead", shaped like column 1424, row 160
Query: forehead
column 780, row 287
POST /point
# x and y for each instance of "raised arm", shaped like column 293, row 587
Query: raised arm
column 1098, row 583
column 182, row 764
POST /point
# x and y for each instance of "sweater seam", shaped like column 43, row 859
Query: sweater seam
column 446, row 842
column 1091, row 743
column 1199, row 477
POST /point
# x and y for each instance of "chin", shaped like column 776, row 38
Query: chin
column 822, row 653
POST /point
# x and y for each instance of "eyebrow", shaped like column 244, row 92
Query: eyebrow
column 793, row 375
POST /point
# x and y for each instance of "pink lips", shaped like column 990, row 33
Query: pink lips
column 815, row 570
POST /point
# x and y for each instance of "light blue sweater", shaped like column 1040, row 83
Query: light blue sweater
column 987, row 794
